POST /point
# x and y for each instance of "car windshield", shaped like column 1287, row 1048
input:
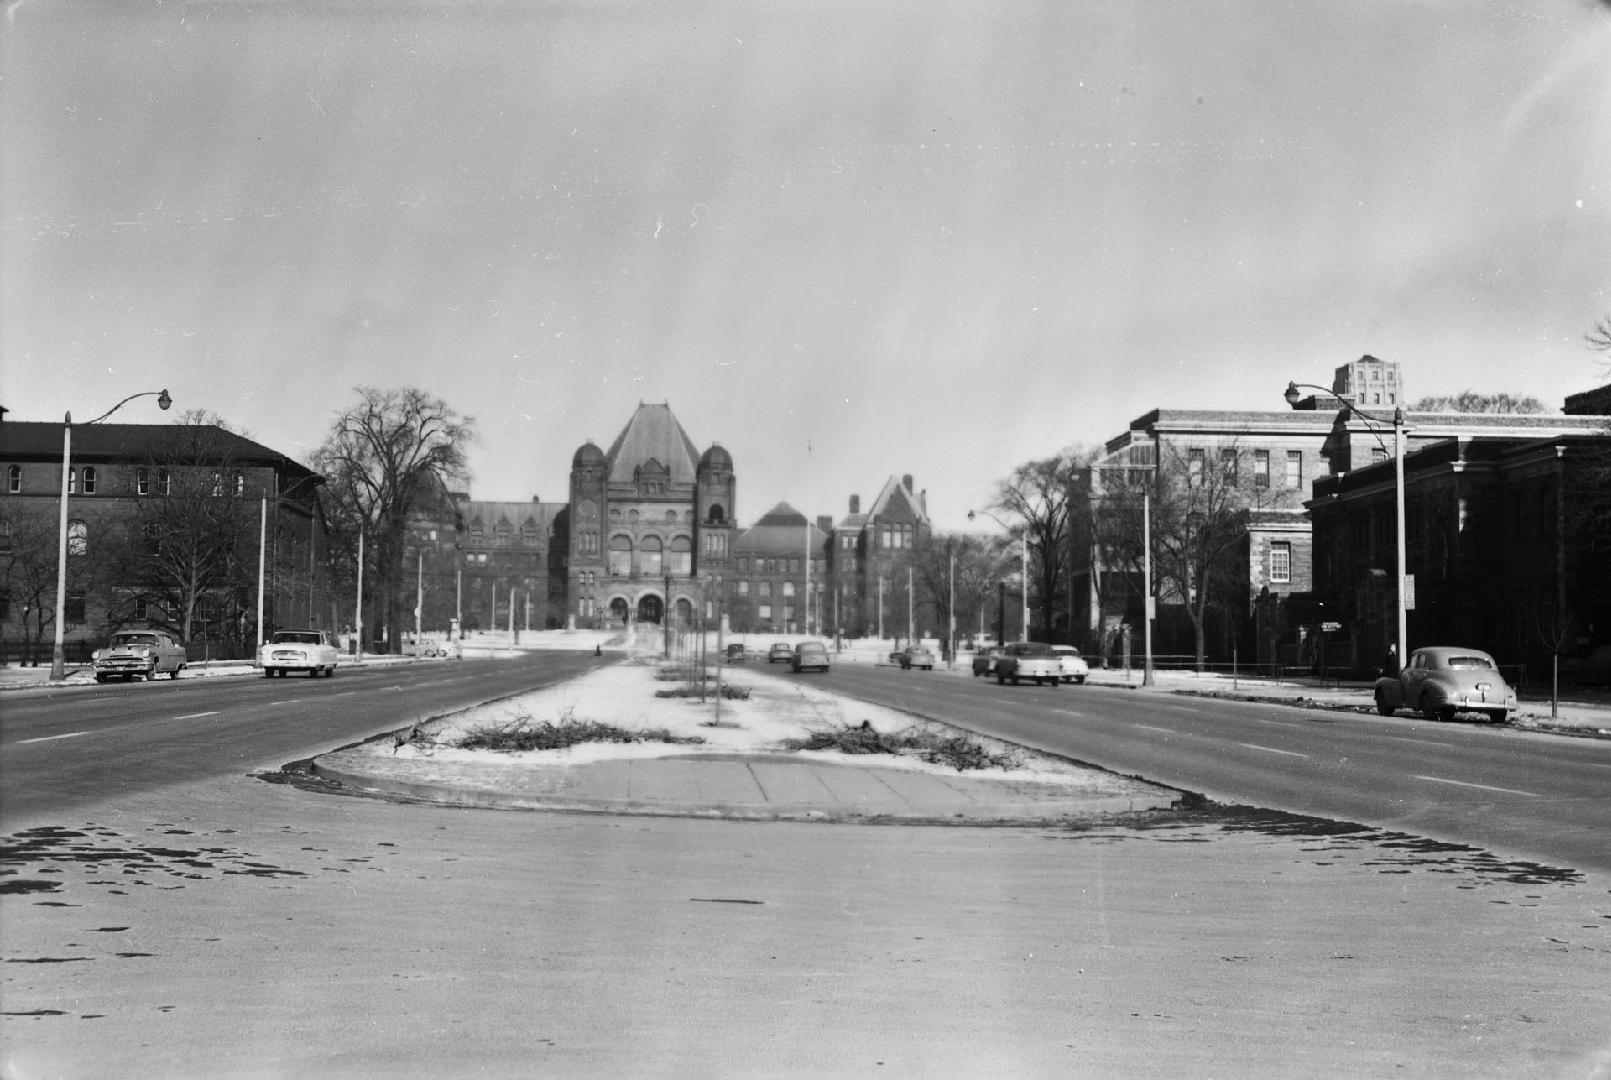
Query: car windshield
column 135, row 639
column 289, row 638
column 1470, row 662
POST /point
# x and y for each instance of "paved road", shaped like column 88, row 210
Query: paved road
column 1526, row 795
column 63, row 748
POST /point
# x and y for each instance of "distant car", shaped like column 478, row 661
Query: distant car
column 138, row 654
column 809, row 655
column 779, row 652
column 1442, row 680
column 299, row 650
column 1028, row 660
column 916, row 656
column 984, row 661
column 1073, row 665
column 735, row 652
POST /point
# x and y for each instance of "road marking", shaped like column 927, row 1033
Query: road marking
column 1272, row 750
column 1483, row 787
column 291, row 701
column 1149, row 727
column 197, row 715
column 49, row 738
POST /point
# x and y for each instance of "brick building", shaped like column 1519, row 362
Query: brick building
column 780, row 576
column 134, row 491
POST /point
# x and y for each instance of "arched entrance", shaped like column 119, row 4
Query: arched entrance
column 684, row 612
column 651, row 609
column 619, row 611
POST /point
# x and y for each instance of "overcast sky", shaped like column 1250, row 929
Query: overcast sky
column 917, row 236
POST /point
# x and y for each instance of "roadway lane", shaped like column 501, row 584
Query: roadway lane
column 68, row 747
column 1542, row 797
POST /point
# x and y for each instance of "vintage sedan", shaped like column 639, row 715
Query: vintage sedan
column 916, row 656
column 299, row 650
column 779, row 653
column 809, row 656
column 138, row 654
column 1073, row 665
column 1442, row 680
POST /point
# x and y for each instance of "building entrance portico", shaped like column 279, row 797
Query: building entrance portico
column 651, row 608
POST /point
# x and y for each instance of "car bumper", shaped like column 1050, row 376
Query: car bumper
column 123, row 666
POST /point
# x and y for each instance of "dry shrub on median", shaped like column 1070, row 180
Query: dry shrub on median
column 523, row 734
column 931, row 746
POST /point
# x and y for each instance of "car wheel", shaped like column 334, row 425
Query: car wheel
column 151, row 673
column 1001, row 680
column 174, row 674
column 1079, row 679
column 1382, row 705
column 100, row 678
column 1497, row 716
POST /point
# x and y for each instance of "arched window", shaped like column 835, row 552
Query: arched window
column 14, row 479
column 142, row 481
column 681, row 561
column 164, row 482
column 77, row 537
column 89, row 479
column 717, row 514
column 240, row 485
column 650, row 562
column 620, row 556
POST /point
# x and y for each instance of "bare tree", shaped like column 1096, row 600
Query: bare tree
column 1198, row 523
column 1043, row 495
column 383, row 457
column 29, row 568
column 1598, row 340
column 956, row 573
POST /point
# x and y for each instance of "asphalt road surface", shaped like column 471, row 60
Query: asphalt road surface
column 1528, row 795
column 61, row 748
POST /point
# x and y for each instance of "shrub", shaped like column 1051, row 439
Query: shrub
column 956, row 751
column 522, row 734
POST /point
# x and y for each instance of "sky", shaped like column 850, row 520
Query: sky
column 846, row 240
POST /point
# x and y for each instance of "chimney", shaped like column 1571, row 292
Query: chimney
column 825, row 523
column 907, row 481
column 855, row 504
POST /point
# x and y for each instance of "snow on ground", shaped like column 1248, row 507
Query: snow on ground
column 778, row 709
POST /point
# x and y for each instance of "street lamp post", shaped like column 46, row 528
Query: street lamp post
column 1293, row 397
column 58, row 657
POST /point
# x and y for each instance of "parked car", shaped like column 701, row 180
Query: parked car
column 809, row 655
column 143, row 654
column 916, row 656
column 735, row 652
column 1443, row 680
column 779, row 652
column 1073, row 665
column 984, row 661
column 299, row 650
column 1028, row 660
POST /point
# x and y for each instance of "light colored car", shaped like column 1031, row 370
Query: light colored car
column 1073, row 665
column 916, row 656
column 779, row 653
column 984, row 661
column 735, row 653
column 299, row 650
column 138, row 654
column 1442, row 680
column 1028, row 660
column 809, row 656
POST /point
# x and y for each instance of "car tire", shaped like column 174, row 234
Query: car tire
column 1080, row 679
column 174, row 674
column 1382, row 705
column 1001, row 680
column 1497, row 716
column 100, row 678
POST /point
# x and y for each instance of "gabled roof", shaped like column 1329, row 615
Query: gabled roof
column 895, row 496
column 652, row 433
column 517, row 514
column 35, row 441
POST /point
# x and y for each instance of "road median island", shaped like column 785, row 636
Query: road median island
column 648, row 744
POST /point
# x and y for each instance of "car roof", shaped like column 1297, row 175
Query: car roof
column 1446, row 651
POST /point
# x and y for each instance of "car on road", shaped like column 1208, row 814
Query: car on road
column 138, row 654
column 735, row 652
column 1442, row 680
column 1073, row 665
column 916, row 656
column 984, row 661
column 1030, row 660
column 809, row 656
column 780, row 652
column 299, row 650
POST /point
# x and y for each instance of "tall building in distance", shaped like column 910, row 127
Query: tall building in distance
column 1369, row 381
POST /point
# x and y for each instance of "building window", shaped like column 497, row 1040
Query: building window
column 788, row 590
column 164, row 482
column 1228, row 464
column 240, row 485
column 74, row 609
column 1378, row 454
column 649, row 557
column 1196, row 458
column 77, row 537
column 764, row 611
column 1294, row 468
column 1280, row 562
column 743, row 588
column 764, row 590
column 5, row 536
column 620, row 556
column 72, row 482
column 142, row 481
column 682, row 556
column 89, row 479
column 1261, row 469
column 14, row 479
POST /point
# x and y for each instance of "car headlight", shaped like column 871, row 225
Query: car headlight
column 96, row 655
